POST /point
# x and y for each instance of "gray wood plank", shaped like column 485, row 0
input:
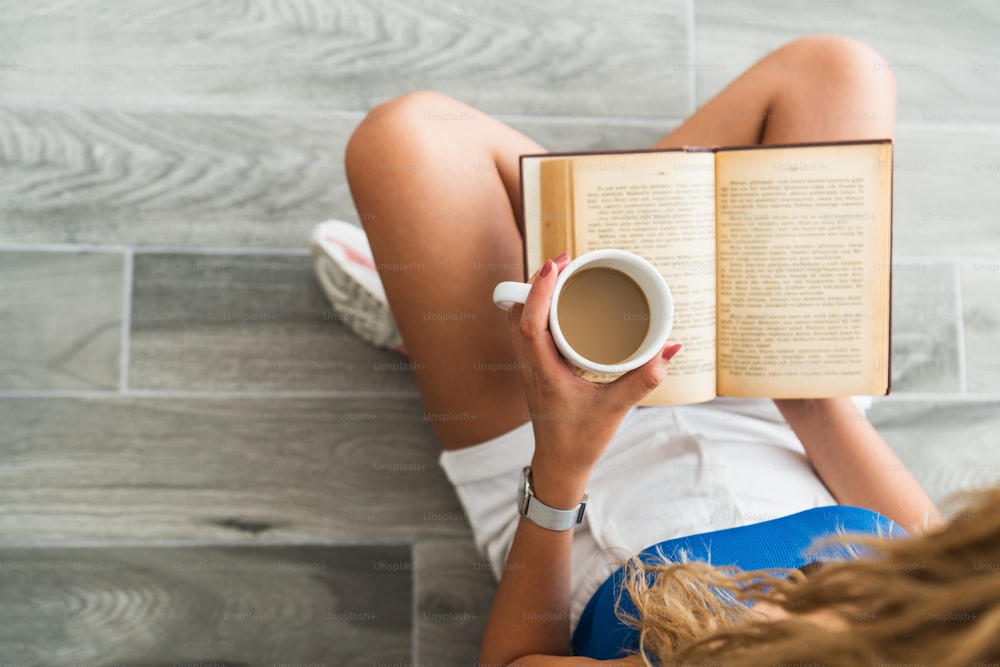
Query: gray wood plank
column 247, row 322
column 925, row 325
column 170, row 178
column 198, row 179
column 562, row 58
column 195, row 179
column 264, row 470
column 980, row 286
column 949, row 447
column 61, row 323
column 946, row 199
column 455, row 588
column 945, row 56
column 207, row 606
column 580, row 136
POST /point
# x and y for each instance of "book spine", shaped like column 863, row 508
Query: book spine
column 558, row 219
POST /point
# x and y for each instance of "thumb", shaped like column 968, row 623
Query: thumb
column 636, row 384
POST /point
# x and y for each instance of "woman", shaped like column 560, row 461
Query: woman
column 436, row 187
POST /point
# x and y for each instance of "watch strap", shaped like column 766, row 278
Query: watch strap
column 551, row 518
column 545, row 516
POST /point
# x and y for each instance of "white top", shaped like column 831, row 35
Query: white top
column 668, row 472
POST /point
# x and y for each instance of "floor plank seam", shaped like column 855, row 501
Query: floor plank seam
column 224, row 250
column 415, row 607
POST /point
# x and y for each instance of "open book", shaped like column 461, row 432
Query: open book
column 778, row 257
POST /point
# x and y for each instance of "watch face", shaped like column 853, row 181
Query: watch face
column 522, row 491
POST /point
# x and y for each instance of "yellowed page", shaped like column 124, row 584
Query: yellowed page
column 804, row 257
column 660, row 206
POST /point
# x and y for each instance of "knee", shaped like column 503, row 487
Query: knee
column 839, row 61
column 415, row 107
column 393, row 127
column 392, row 142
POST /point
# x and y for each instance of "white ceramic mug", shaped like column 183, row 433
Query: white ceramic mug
column 645, row 275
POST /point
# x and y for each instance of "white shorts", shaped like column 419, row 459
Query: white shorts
column 668, row 472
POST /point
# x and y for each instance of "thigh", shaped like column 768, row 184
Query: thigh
column 436, row 185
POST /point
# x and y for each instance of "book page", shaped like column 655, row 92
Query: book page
column 804, row 261
column 660, row 206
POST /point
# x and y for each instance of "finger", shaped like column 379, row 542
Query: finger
column 635, row 385
column 534, row 322
column 514, row 314
column 561, row 262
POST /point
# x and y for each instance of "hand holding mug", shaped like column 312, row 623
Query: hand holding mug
column 611, row 312
column 573, row 418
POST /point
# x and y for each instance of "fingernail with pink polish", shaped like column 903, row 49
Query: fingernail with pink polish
column 561, row 257
column 669, row 353
column 546, row 268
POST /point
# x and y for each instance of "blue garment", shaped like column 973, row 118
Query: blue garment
column 779, row 543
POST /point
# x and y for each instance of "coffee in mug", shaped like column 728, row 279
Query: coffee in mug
column 603, row 314
column 611, row 312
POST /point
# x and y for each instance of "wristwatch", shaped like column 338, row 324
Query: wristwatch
column 543, row 515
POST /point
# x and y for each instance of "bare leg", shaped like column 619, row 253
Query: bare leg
column 434, row 181
column 821, row 88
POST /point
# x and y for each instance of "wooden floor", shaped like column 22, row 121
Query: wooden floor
column 198, row 463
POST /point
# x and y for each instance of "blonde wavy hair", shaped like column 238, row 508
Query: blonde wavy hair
column 932, row 599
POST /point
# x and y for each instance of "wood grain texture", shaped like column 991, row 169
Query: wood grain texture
column 946, row 200
column 949, row 447
column 263, row 470
column 610, row 135
column 455, row 588
column 190, row 179
column 206, row 605
column 945, row 56
column 247, row 322
column 198, row 179
column 61, row 320
column 170, row 178
column 229, row 529
column 925, row 340
column 564, row 58
column 981, row 321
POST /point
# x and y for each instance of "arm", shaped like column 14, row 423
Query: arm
column 530, row 611
column 529, row 621
column 855, row 463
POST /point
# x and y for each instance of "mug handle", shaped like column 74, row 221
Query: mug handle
column 507, row 293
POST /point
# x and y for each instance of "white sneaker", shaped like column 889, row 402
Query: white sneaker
column 345, row 269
